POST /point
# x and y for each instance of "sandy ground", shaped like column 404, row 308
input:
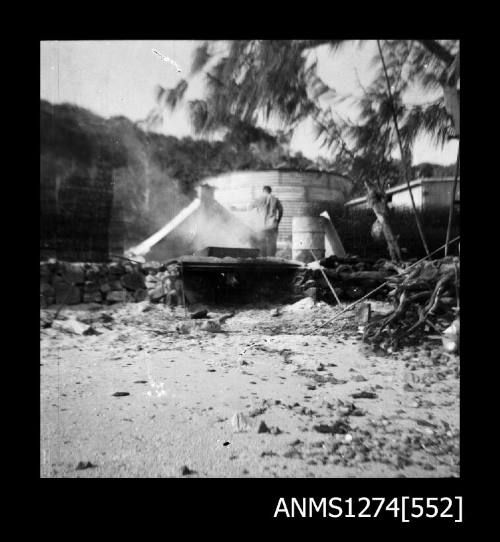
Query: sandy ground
column 196, row 399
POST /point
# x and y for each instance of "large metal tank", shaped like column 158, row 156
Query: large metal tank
column 302, row 193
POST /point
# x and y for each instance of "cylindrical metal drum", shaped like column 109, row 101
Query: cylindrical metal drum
column 308, row 233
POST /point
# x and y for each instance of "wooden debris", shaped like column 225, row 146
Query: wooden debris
column 423, row 298
column 333, row 279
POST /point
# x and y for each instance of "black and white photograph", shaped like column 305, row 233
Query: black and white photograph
column 250, row 258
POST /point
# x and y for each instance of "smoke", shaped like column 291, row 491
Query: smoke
column 216, row 226
column 150, row 198
column 107, row 179
column 146, row 195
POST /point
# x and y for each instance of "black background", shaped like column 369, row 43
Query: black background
column 174, row 508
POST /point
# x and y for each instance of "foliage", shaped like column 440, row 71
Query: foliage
column 251, row 83
column 428, row 169
column 151, row 176
column 255, row 81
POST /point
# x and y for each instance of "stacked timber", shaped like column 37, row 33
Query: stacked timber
column 425, row 296
column 425, row 300
column 351, row 278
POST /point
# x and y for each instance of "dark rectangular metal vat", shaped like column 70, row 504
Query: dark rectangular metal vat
column 231, row 252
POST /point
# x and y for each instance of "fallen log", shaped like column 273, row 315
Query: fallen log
column 362, row 275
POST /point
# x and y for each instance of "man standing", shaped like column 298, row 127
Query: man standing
column 271, row 211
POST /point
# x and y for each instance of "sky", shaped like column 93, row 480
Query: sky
column 119, row 78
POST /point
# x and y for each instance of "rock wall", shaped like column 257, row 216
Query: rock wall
column 72, row 283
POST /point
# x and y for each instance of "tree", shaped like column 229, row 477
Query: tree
column 367, row 160
column 446, row 57
column 258, row 82
column 153, row 176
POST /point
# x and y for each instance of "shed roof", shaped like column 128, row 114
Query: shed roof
column 403, row 187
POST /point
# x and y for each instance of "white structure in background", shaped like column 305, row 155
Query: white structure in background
column 428, row 193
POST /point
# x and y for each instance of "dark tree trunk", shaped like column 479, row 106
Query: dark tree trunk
column 378, row 204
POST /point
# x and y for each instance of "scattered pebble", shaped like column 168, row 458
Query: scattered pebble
column 263, row 428
column 339, row 426
column 364, row 395
column 240, row 422
column 82, row 465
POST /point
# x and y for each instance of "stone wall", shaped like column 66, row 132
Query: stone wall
column 71, row 283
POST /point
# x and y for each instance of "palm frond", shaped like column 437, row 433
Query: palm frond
column 201, row 57
column 319, row 89
column 198, row 113
column 154, row 120
column 431, row 119
column 159, row 94
column 175, row 95
column 336, row 45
